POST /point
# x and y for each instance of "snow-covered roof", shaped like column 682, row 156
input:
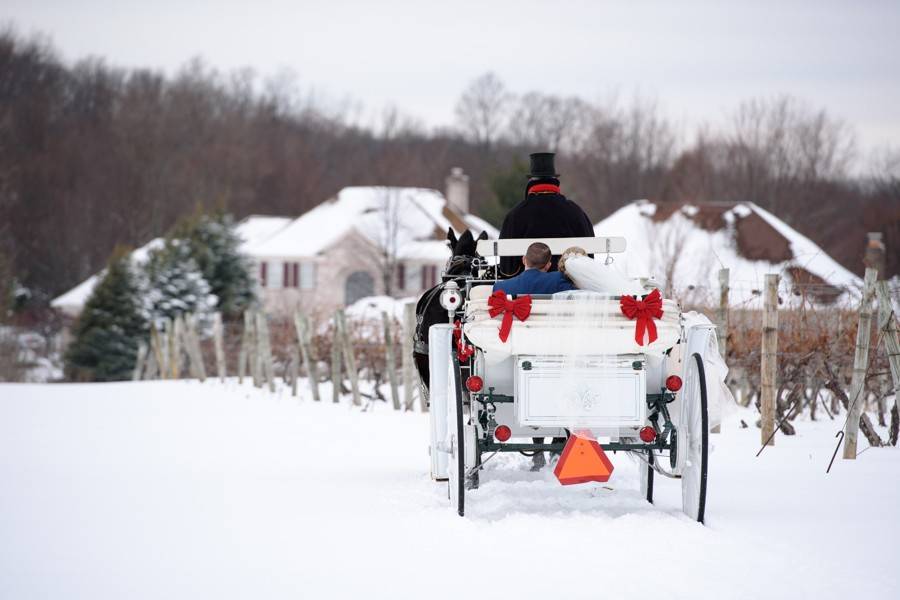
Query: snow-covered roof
column 72, row 301
column 696, row 240
column 255, row 229
column 412, row 221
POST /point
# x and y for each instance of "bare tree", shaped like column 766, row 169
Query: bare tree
column 480, row 111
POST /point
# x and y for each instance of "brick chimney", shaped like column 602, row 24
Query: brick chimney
column 457, row 192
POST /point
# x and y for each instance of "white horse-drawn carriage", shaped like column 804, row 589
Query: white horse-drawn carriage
column 573, row 366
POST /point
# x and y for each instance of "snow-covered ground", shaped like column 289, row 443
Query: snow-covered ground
column 189, row 490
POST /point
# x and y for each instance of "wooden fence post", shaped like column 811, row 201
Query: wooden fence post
column 887, row 324
column 722, row 315
column 860, row 363
column 159, row 350
column 265, row 350
column 336, row 381
column 139, row 363
column 244, row 353
column 254, row 356
column 218, row 339
column 768, row 364
column 304, row 340
column 192, row 346
column 292, row 370
column 409, row 328
column 390, row 360
column 175, row 339
column 349, row 357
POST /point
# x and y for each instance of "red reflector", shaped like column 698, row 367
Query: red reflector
column 474, row 383
column 673, row 383
column 502, row 433
column 648, row 434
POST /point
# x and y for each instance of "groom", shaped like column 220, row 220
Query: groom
column 544, row 213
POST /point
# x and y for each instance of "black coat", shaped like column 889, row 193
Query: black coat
column 542, row 216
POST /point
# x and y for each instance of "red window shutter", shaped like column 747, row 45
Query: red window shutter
column 263, row 272
column 433, row 273
column 285, row 275
column 296, row 279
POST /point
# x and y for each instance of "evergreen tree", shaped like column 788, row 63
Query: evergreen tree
column 507, row 189
column 215, row 246
column 107, row 332
column 174, row 284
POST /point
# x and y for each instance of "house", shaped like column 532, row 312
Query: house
column 365, row 241
column 684, row 246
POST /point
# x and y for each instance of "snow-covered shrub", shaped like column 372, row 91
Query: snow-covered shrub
column 174, row 284
column 215, row 247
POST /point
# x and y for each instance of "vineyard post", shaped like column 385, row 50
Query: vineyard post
column 887, row 324
column 139, row 363
column 175, row 339
column 336, row 382
column 409, row 327
column 265, row 349
column 768, row 364
column 722, row 316
column 243, row 355
column 304, row 340
column 219, row 341
column 860, row 362
column 390, row 360
column 349, row 357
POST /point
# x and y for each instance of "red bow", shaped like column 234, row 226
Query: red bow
column 520, row 307
column 644, row 311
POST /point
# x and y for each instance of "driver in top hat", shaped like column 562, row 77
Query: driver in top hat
column 544, row 213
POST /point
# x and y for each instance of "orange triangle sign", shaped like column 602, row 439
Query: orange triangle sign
column 582, row 460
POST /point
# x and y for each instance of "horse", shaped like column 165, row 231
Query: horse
column 429, row 310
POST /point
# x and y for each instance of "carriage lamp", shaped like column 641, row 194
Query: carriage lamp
column 474, row 383
column 451, row 300
column 502, row 433
column 647, row 433
column 673, row 383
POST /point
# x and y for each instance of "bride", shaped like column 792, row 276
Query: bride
column 595, row 275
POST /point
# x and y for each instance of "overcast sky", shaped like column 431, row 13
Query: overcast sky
column 698, row 59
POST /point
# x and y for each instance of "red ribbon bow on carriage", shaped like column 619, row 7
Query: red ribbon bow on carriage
column 644, row 311
column 520, row 307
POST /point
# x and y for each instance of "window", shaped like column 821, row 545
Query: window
column 295, row 275
column 263, row 274
column 307, row 277
column 401, row 277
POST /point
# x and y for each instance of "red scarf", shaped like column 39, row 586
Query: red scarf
column 520, row 307
column 544, row 188
column 644, row 311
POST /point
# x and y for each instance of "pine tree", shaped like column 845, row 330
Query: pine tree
column 215, row 246
column 174, row 284
column 107, row 332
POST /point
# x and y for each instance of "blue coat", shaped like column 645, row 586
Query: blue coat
column 535, row 281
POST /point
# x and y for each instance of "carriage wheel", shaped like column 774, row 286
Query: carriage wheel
column 457, row 466
column 647, row 478
column 695, row 426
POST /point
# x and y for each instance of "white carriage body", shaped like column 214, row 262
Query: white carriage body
column 606, row 393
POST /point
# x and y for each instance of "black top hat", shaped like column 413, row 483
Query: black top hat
column 542, row 165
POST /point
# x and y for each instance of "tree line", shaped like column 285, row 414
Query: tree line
column 92, row 156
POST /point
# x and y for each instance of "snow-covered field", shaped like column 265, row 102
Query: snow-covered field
column 189, row 490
